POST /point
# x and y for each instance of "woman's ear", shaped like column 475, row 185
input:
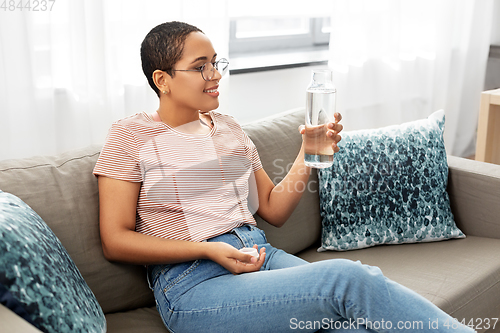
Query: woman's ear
column 161, row 79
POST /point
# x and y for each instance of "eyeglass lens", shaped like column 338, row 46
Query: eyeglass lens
column 209, row 69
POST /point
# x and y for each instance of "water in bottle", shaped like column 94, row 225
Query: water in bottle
column 320, row 109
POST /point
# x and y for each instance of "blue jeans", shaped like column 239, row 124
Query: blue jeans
column 288, row 294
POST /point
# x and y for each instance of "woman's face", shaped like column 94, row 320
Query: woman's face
column 188, row 90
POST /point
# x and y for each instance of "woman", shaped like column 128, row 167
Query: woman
column 175, row 193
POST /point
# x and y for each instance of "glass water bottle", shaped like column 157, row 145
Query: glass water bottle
column 320, row 110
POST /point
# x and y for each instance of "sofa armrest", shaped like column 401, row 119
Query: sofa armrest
column 12, row 323
column 474, row 190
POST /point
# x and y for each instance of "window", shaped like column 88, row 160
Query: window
column 267, row 34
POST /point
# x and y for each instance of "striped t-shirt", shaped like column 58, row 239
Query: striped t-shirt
column 194, row 186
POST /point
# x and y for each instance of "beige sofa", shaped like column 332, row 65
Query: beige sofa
column 462, row 276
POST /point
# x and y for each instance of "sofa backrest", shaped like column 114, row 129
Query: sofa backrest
column 64, row 192
column 278, row 142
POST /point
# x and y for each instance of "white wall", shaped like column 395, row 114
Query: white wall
column 251, row 96
column 495, row 29
column 492, row 79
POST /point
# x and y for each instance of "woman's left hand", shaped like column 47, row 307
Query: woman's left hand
column 333, row 130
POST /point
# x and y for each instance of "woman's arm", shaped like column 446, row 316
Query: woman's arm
column 120, row 241
column 277, row 202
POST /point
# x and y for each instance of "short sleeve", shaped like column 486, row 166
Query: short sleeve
column 250, row 149
column 252, row 153
column 119, row 158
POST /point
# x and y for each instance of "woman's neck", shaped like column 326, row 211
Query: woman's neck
column 185, row 121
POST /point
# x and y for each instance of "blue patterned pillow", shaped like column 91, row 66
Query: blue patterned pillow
column 38, row 272
column 13, row 304
column 387, row 186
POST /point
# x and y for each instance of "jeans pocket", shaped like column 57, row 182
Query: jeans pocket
column 176, row 274
column 154, row 272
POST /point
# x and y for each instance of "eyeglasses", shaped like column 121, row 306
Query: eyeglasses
column 208, row 69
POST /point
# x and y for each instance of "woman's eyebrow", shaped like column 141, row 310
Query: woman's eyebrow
column 203, row 58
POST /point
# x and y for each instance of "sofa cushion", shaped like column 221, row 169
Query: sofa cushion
column 136, row 321
column 63, row 191
column 38, row 272
column 388, row 186
column 460, row 276
column 278, row 142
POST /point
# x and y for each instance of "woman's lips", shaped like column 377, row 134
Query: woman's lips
column 212, row 91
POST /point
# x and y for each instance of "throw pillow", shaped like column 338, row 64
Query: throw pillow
column 9, row 301
column 38, row 272
column 387, row 186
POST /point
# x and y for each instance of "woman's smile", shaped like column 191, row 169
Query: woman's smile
column 212, row 91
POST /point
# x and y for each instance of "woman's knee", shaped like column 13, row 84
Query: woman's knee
column 349, row 270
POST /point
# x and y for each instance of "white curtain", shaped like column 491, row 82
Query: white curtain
column 66, row 74
column 397, row 61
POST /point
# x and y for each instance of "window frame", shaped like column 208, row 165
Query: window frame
column 315, row 38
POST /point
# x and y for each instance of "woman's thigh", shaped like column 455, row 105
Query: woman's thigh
column 278, row 300
column 309, row 297
column 286, row 293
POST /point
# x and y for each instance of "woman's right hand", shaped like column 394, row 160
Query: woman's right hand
column 234, row 260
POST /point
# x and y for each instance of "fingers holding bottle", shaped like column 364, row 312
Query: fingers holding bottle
column 333, row 130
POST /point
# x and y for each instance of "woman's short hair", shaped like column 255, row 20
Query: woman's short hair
column 162, row 48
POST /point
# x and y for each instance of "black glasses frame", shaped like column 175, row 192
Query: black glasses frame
column 210, row 68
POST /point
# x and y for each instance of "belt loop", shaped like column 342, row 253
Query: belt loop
column 149, row 276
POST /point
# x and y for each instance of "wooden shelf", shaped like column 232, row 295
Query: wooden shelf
column 488, row 129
